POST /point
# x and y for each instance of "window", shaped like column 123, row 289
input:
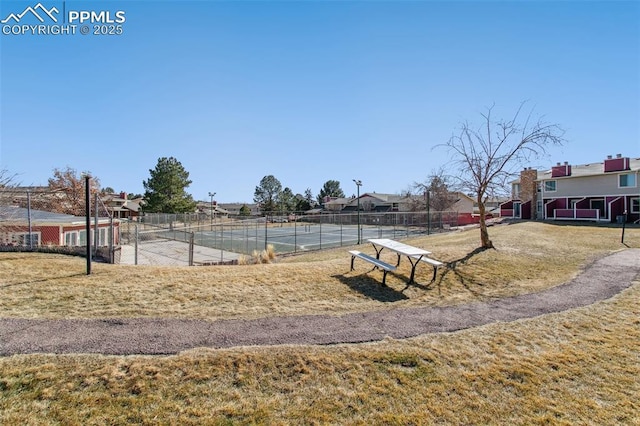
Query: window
column 627, row 180
column 635, row 205
column 71, row 238
column 25, row 239
column 550, row 186
column 516, row 190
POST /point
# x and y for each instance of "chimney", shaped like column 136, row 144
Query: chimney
column 561, row 170
column 617, row 164
column 123, row 195
column 528, row 185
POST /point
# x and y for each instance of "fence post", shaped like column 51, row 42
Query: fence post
column 112, row 258
column 135, row 245
column 266, row 235
column 96, row 235
column 29, row 220
column 191, row 236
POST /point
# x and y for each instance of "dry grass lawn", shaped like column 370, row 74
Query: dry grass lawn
column 529, row 257
column 574, row 367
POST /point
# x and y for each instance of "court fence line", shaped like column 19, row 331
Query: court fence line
column 196, row 239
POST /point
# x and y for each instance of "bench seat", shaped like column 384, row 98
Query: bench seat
column 433, row 262
column 376, row 262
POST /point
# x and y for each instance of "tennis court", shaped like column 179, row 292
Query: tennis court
column 292, row 238
column 228, row 239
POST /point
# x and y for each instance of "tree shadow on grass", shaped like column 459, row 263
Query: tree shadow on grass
column 42, row 280
column 371, row 288
column 465, row 279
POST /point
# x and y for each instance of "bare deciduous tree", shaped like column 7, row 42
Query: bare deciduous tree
column 487, row 156
column 7, row 181
column 439, row 186
column 68, row 192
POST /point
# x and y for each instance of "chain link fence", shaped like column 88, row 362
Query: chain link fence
column 196, row 239
column 43, row 220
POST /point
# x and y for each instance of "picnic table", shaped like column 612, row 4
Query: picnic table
column 414, row 254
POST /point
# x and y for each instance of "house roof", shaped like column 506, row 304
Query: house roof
column 582, row 170
column 14, row 213
column 387, row 198
column 340, row 201
column 20, row 214
column 592, row 169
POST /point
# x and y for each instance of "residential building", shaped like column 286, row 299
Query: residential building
column 21, row 226
column 601, row 192
column 120, row 207
column 228, row 209
column 377, row 203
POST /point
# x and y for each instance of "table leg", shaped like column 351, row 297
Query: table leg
column 377, row 250
column 413, row 269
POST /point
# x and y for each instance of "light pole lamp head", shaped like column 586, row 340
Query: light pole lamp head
column 212, row 194
column 357, row 182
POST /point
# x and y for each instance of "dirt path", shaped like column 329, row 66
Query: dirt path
column 600, row 280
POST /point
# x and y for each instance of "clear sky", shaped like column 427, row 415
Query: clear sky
column 309, row 91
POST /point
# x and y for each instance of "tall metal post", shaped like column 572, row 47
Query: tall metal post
column 96, row 235
column 29, row 219
column 428, row 213
column 191, row 238
column 87, row 194
column 266, row 234
column 135, row 250
column 112, row 237
column 358, row 184
column 211, row 194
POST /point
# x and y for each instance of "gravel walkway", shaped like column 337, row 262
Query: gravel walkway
column 154, row 336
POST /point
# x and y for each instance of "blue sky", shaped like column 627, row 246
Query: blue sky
column 310, row 91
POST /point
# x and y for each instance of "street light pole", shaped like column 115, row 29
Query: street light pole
column 358, row 184
column 211, row 195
